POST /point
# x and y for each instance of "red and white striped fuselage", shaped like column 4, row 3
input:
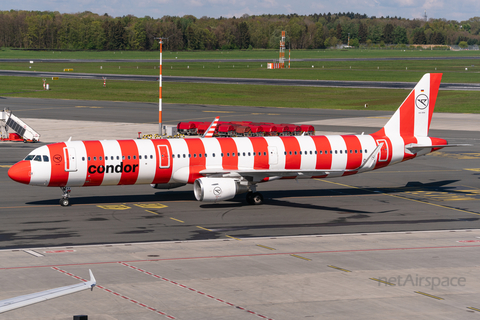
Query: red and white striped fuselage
column 162, row 161
column 219, row 168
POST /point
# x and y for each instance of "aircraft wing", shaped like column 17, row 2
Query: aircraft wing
column 28, row 299
column 259, row 175
column 415, row 148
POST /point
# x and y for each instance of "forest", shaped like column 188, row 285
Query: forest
column 90, row 31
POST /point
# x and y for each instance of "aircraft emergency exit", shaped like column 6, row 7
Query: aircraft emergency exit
column 220, row 168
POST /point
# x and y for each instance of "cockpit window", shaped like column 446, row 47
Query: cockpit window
column 38, row 158
column 30, row 157
column 45, row 159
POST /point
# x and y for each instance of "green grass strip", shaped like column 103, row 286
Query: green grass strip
column 231, row 95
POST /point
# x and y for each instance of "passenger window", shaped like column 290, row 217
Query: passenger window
column 331, row 151
column 134, row 157
column 290, row 152
column 189, row 155
column 184, row 155
column 340, row 151
column 221, row 154
column 244, row 154
column 285, row 152
column 123, row 157
column 213, row 155
column 173, row 156
column 365, row 150
column 228, row 154
column 128, row 157
column 199, row 155
column 356, row 151
column 118, row 158
column 360, row 150
column 346, row 151
column 233, row 154
column 83, row 158
column 151, row 156
column 140, row 157
column 100, row 159
column 45, row 159
column 94, row 158
column 264, row 153
column 205, row 155
column 88, row 158
column 295, row 152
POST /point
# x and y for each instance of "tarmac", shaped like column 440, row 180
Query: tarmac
column 396, row 243
column 421, row 275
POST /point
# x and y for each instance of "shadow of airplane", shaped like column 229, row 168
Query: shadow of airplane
column 272, row 197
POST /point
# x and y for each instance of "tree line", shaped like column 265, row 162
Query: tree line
column 90, row 31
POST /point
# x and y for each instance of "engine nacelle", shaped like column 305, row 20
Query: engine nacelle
column 167, row 185
column 217, row 189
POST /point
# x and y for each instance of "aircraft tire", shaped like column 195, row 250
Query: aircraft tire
column 65, row 202
column 254, row 198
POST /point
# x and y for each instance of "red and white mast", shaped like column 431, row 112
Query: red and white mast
column 160, row 129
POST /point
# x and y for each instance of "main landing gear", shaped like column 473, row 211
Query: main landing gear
column 254, row 198
column 65, row 200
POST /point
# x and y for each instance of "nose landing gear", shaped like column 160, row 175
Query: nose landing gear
column 65, row 200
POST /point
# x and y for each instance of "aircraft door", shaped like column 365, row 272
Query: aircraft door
column 384, row 152
column 272, row 155
column 70, row 159
column 164, row 153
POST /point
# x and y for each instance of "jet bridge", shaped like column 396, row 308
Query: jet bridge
column 9, row 121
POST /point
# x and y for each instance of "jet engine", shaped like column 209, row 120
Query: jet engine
column 217, row 189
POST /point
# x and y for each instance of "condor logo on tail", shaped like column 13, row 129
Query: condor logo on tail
column 421, row 101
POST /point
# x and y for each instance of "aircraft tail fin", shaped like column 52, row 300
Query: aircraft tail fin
column 413, row 117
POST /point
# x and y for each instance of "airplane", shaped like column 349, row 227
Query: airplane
column 28, row 299
column 220, row 168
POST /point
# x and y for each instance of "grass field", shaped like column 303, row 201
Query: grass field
column 455, row 71
column 233, row 54
column 233, row 95
column 466, row 70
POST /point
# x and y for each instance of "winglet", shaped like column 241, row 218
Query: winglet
column 92, row 281
column 211, row 129
column 369, row 163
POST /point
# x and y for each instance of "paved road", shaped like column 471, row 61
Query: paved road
column 241, row 60
column 249, row 81
column 436, row 192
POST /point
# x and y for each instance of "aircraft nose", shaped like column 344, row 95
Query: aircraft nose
column 21, row 172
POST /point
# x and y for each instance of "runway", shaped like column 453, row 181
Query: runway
column 238, row 60
column 352, row 247
column 248, row 81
